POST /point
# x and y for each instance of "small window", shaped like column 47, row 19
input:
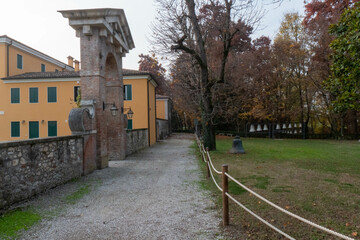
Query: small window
column 76, row 93
column 51, row 94
column 15, row 129
column 127, row 92
column 33, row 129
column 56, row 70
column 43, row 68
column 33, row 95
column 15, row 95
column 19, row 61
column 52, row 128
column 130, row 124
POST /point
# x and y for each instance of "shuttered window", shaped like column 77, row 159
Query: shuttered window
column 76, row 93
column 33, row 129
column 127, row 92
column 34, row 95
column 52, row 128
column 130, row 124
column 15, row 129
column 51, row 94
column 19, row 61
column 15, row 95
column 43, row 68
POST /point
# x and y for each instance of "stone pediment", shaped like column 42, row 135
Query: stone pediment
column 111, row 22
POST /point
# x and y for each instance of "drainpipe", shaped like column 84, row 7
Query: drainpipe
column 7, row 58
column 148, row 103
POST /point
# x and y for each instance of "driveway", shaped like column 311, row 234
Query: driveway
column 153, row 194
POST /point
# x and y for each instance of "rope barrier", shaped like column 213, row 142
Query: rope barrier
column 218, row 172
column 259, row 218
column 212, row 176
column 289, row 213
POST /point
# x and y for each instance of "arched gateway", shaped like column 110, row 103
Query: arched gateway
column 104, row 39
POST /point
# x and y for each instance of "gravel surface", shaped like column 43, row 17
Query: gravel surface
column 151, row 195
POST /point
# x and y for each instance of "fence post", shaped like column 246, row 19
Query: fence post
column 225, row 198
column 207, row 163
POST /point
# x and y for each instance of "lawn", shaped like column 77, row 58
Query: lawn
column 316, row 179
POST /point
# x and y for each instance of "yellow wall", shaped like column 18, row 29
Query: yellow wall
column 139, row 105
column 160, row 108
column 42, row 110
column 2, row 60
column 152, row 113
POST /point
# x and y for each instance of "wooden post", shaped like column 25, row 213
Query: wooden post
column 207, row 163
column 225, row 198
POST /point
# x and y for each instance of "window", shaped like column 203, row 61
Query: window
column 43, row 68
column 15, row 95
column 51, row 91
column 76, row 92
column 130, row 124
column 127, row 92
column 15, row 129
column 52, row 128
column 56, row 70
column 33, row 129
column 19, row 61
column 33, row 95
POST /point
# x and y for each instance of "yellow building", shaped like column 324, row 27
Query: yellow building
column 139, row 95
column 163, row 116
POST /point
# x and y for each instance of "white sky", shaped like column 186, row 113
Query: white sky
column 37, row 24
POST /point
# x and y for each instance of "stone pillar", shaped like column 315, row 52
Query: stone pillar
column 104, row 39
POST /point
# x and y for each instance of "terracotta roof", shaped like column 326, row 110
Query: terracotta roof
column 68, row 74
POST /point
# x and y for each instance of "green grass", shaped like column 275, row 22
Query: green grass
column 12, row 222
column 316, row 179
column 78, row 194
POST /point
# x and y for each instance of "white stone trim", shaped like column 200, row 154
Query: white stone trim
column 38, row 80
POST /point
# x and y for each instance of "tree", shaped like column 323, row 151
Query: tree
column 151, row 64
column 182, row 28
column 344, row 81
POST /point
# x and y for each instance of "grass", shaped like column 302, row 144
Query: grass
column 316, row 179
column 78, row 194
column 13, row 222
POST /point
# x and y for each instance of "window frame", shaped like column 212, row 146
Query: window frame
column 48, row 95
column 43, row 67
column 126, row 97
column 132, row 126
column 37, row 100
column 19, row 61
column 11, row 129
column 38, row 129
column 76, row 92
column 11, row 96
column 56, row 129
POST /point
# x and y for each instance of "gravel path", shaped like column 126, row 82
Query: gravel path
column 151, row 195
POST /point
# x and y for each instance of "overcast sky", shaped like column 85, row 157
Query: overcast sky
column 37, row 24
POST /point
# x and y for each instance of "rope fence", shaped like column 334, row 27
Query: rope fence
column 226, row 195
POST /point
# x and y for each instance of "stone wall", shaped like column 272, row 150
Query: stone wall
column 137, row 139
column 163, row 130
column 32, row 166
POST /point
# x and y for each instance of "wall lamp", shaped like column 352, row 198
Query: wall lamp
column 113, row 109
column 130, row 113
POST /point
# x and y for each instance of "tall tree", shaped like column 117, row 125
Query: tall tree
column 344, row 81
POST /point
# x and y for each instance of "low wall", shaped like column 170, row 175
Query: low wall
column 32, row 166
column 136, row 140
column 162, row 128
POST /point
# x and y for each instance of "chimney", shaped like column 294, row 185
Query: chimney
column 70, row 61
column 77, row 65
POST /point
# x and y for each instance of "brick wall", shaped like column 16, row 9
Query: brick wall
column 136, row 140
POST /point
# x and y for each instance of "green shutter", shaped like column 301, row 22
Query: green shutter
column 34, row 95
column 15, row 129
column 19, row 61
column 76, row 92
column 51, row 94
column 43, row 69
column 52, row 128
column 128, row 92
column 15, row 95
column 33, row 129
column 130, row 124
